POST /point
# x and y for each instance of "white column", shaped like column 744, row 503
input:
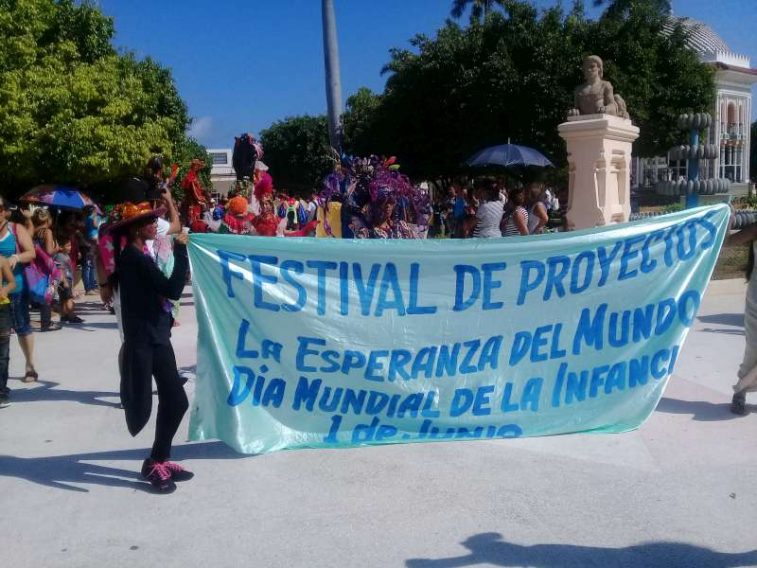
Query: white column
column 599, row 165
column 718, row 119
column 748, row 139
column 724, row 158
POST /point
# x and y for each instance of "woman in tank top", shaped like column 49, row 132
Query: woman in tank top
column 537, row 210
column 44, row 239
column 16, row 245
column 489, row 213
column 515, row 219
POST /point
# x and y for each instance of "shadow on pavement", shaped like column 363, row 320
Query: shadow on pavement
column 91, row 307
column 701, row 410
column 60, row 472
column 736, row 320
column 490, row 549
column 723, row 331
column 93, row 326
column 47, row 392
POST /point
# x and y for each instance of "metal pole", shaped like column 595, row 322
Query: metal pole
column 333, row 78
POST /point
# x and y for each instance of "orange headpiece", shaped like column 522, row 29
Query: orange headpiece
column 237, row 205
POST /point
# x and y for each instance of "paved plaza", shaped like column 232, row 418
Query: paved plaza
column 680, row 491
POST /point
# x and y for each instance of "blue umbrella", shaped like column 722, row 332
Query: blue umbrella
column 58, row 196
column 507, row 155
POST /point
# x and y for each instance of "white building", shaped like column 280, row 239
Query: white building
column 222, row 173
column 732, row 114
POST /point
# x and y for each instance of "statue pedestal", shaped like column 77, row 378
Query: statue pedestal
column 599, row 161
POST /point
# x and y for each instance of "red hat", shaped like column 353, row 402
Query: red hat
column 126, row 214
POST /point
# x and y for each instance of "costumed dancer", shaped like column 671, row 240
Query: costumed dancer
column 195, row 197
column 382, row 221
column 237, row 220
column 137, row 190
column 262, row 182
column 247, row 151
column 147, row 350
column 263, row 189
column 266, row 224
column 376, row 200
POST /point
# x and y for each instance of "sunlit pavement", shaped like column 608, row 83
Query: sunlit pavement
column 680, row 491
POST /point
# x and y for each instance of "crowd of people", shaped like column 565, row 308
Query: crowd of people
column 134, row 256
column 41, row 256
column 370, row 198
column 493, row 210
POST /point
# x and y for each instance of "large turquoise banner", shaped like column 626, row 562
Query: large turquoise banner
column 328, row 343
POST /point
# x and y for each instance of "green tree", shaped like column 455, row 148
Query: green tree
column 358, row 121
column 623, row 8
column 480, row 9
column 297, row 151
column 72, row 110
column 513, row 77
column 655, row 71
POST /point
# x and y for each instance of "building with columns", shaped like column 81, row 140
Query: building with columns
column 732, row 115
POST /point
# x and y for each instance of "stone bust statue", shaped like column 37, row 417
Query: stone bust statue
column 596, row 96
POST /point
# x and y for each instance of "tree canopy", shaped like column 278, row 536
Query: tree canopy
column 72, row 110
column 297, row 151
column 621, row 8
column 480, row 9
column 357, row 121
column 512, row 75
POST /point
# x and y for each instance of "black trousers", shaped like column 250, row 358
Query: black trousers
column 45, row 314
column 172, row 401
column 5, row 343
column 139, row 364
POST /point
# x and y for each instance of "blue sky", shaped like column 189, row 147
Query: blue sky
column 242, row 64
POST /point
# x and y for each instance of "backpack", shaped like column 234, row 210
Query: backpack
column 39, row 274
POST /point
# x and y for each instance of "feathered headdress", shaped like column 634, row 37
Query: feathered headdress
column 366, row 185
column 264, row 187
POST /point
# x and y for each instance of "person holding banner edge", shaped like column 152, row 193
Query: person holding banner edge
column 147, row 352
column 748, row 369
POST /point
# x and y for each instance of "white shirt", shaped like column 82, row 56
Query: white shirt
column 163, row 228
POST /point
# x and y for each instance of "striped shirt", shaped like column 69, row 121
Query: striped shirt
column 509, row 228
column 489, row 216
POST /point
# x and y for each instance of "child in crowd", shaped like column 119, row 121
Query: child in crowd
column 92, row 222
column 62, row 260
column 7, row 285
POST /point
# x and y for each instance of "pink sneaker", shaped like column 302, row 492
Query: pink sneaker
column 158, row 475
column 178, row 473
